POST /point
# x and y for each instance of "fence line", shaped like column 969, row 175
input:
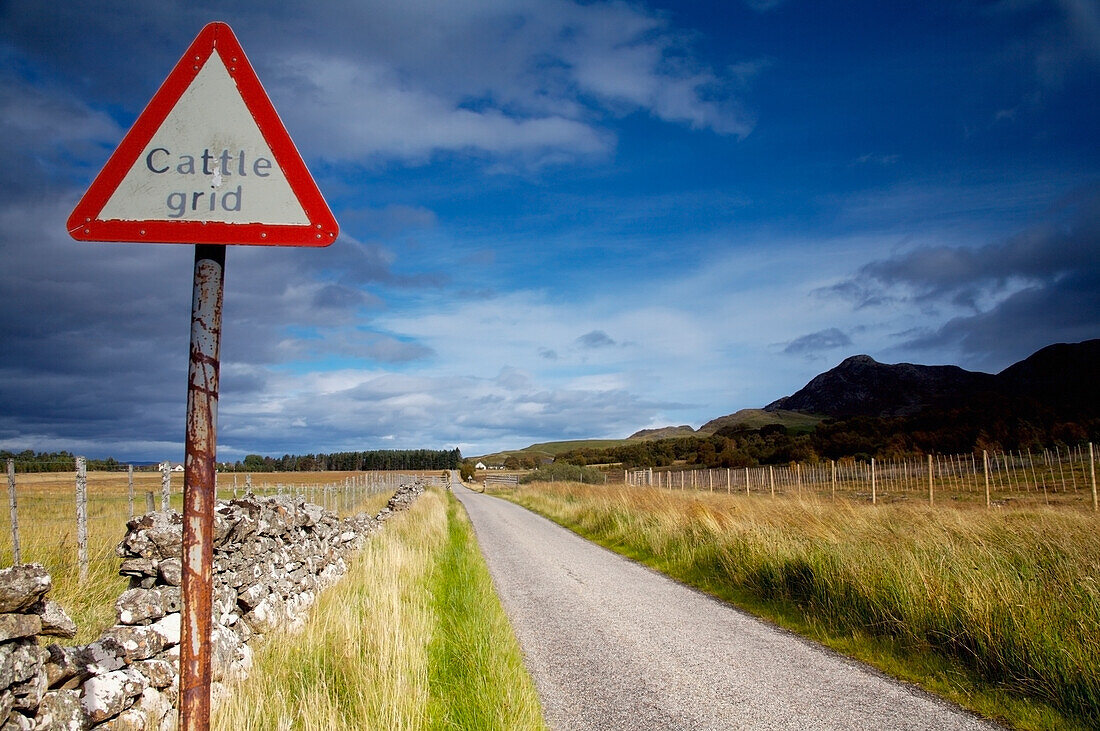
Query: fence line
column 15, row 552
column 1058, row 471
column 82, row 517
column 502, row 480
column 44, row 508
column 165, row 485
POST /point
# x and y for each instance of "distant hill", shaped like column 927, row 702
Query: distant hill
column 547, row 451
column 665, row 432
column 1058, row 377
column 794, row 422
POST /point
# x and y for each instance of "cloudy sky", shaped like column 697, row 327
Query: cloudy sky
column 558, row 219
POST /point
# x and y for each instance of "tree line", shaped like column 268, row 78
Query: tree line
column 30, row 461
column 379, row 459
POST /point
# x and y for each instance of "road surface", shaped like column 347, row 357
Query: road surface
column 612, row 644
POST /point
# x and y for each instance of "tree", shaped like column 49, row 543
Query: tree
column 254, row 463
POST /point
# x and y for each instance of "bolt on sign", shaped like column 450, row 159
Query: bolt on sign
column 208, row 162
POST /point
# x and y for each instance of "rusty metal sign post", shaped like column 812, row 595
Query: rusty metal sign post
column 208, row 162
column 199, row 493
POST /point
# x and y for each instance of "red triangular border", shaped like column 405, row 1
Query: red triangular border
column 85, row 225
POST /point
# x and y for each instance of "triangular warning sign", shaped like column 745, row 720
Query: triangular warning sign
column 207, row 162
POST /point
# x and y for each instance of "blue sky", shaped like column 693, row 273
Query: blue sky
column 558, row 219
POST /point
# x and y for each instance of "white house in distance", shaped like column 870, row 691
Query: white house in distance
column 479, row 466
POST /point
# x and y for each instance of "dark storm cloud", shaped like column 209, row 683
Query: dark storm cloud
column 1066, row 311
column 1043, row 284
column 814, row 343
column 50, row 138
column 96, row 334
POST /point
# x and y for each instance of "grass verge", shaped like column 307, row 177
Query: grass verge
column 412, row 638
column 998, row 611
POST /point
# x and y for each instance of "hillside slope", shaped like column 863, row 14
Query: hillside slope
column 665, row 432
column 758, row 418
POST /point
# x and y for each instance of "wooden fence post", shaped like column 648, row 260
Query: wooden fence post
column 165, row 484
column 832, row 463
column 82, row 517
column 985, row 463
column 931, row 498
column 1092, row 475
column 771, row 479
column 16, row 555
column 874, row 491
column 130, row 488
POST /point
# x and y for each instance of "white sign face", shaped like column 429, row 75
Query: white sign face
column 208, row 161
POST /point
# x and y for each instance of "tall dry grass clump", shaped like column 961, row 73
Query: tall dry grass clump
column 1010, row 597
column 413, row 637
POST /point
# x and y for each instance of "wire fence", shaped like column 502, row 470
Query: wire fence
column 50, row 511
column 1054, row 476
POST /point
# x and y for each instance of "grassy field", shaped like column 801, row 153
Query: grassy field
column 412, row 638
column 997, row 610
column 47, row 528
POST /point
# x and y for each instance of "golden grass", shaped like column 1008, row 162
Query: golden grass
column 378, row 649
column 999, row 610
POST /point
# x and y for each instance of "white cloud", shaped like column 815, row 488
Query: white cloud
column 533, row 79
column 357, row 111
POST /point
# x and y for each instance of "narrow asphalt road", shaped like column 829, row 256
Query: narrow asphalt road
column 614, row 645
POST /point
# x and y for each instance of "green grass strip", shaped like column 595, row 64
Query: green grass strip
column 476, row 678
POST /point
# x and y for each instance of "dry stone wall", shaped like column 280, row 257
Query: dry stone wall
column 272, row 556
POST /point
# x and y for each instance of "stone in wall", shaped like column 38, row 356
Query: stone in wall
column 22, row 586
column 26, row 614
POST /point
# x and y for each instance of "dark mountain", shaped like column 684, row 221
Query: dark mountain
column 1059, row 377
column 1063, row 377
column 861, row 386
